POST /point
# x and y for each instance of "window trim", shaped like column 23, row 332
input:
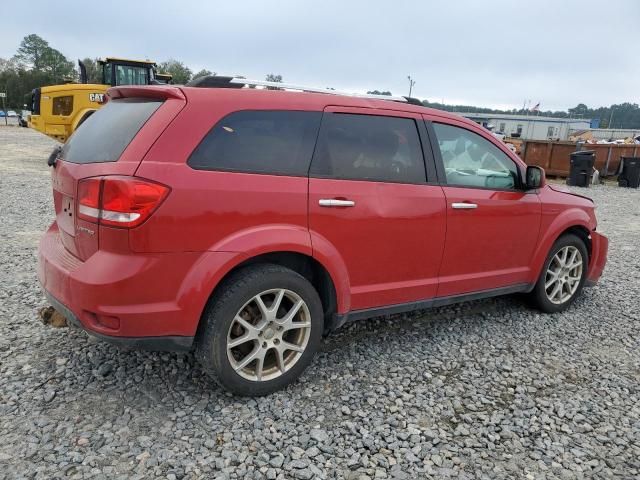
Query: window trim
column 442, row 176
column 246, row 172
column 422, row 138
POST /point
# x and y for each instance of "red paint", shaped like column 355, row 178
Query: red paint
column 491, row 246
column 400, row 243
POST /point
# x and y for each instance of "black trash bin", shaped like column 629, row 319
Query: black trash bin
column 581, row 168
column 629, row 172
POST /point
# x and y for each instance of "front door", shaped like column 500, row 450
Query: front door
column 492, row 223
column 370, row 200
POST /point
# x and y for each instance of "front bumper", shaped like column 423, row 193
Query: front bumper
column 599, row 250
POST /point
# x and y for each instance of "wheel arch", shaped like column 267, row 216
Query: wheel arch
column 307, row 266
column 581, row 232
column 572, row 222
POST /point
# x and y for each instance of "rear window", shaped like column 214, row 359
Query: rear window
column 269, row 142
column 105, row 134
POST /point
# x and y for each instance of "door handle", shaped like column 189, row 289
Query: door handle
column 464, row 206
column 334, row 202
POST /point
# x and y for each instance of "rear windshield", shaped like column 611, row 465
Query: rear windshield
column 105, row 134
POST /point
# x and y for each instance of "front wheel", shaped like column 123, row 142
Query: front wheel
column 261, row 330
column 562, row 276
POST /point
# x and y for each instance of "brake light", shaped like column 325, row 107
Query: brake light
column 119, row 201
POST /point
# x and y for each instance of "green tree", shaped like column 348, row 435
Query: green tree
column 32, row 51
column 179, row 71
column 202, row 73
column 272, row 77
column 57, row 66
column 94, row 70
column 35, row 64
column 378, row 92
column 581, row 110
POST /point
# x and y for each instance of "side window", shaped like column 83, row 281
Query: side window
column 63, row 105
column 259, row 141
column 472, row 161
column 369, row 147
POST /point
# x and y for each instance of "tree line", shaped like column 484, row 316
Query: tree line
column 623, row 115
column 37, row 64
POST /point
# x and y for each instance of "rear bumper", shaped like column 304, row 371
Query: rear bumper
column 599, row 250
column 136, row 300
column 165, row 344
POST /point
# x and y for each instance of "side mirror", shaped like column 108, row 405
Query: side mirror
column 535, row 177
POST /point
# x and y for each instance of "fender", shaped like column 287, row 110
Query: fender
column 325, row 253
column 212, row 266
column 573, row 217
column 200, row 281
column 266, row 239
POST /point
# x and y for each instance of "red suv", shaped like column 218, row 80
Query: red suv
column 244, row 223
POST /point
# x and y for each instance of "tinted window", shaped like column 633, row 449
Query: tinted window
column 63, row 105
column 272, row 142
column 472, row 161
column 105, row 134
column 128, row 75
column 369, row 147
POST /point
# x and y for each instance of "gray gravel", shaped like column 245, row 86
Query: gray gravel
column 489, row 389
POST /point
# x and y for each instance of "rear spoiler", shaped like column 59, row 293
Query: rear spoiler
column 163, row 92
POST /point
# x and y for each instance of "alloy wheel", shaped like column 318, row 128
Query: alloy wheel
column 268, row 335
column 563, row 275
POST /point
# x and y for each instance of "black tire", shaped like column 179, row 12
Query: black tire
column 539, row 296
column 232, row 295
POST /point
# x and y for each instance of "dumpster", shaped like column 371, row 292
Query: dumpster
column 581, row 168
column 629, row 172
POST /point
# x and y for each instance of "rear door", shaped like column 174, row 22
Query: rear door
column 370, row 199
column 112, row 141
column 492, row 222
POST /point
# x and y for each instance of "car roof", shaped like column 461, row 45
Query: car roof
column 264, row 99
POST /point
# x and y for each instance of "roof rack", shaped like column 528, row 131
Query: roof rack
column 218, row 81
column 288, row 86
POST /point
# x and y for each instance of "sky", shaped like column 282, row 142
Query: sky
column 496, row 53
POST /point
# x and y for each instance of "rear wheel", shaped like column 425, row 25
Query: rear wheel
column 261, row 330
column 563, row 275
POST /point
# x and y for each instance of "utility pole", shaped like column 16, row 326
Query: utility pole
column 610, row 118
column 411, row 83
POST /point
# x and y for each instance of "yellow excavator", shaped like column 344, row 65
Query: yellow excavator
column 57, row 110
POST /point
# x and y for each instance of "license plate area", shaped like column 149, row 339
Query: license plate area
column 65, row 213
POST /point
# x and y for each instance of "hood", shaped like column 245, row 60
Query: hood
column 565, row 189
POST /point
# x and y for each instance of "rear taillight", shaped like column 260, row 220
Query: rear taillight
column 119, row 201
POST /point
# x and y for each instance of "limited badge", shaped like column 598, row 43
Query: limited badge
column 96, row 97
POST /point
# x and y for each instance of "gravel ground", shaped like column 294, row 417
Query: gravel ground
column 489, row 389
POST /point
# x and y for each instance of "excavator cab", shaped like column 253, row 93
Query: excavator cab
column 117, row 71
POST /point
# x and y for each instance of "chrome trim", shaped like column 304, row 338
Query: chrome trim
column 464, row 206
column 334, row 202
column 288, row 86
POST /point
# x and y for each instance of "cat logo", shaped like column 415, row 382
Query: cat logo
column 96, row 97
